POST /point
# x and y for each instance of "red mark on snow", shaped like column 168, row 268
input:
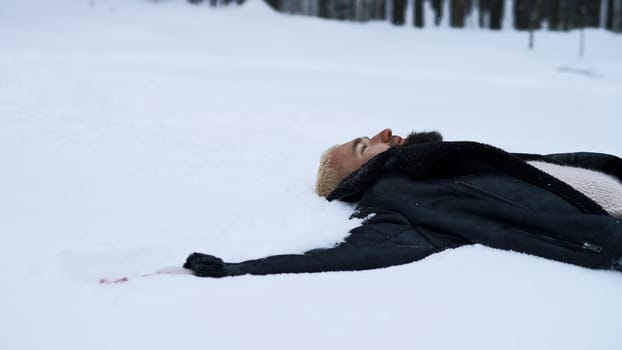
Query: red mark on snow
column 107, row 281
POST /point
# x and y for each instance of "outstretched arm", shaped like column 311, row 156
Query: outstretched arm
column 380, row 243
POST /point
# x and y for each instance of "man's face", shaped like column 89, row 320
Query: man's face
column 350, row 156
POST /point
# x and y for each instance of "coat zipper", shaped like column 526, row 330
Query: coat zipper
column 594, row 248
column 476, row 189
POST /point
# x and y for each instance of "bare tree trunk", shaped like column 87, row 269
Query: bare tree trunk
column 534, row 21
column 399, row 12
column 616, row 20
column 561, row 15
column 602, row 18
column 437, row 6
column 483, row 13
column 582, row 43
column 457, row 13
column 496, row 14
column 380, row 7
column 418, row 15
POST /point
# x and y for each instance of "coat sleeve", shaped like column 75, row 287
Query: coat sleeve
column 385, row 240
column 602, row 162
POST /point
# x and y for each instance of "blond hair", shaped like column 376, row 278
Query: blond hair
column 328, row 178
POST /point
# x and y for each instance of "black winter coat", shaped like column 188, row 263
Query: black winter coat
column 424, row 198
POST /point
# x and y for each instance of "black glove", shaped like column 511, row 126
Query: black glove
column 204, row 265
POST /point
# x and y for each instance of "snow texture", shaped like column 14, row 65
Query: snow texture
column 133, row 133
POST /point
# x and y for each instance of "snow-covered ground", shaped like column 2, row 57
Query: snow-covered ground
column 133, row 133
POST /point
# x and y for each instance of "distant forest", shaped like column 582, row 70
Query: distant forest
column 526, row 14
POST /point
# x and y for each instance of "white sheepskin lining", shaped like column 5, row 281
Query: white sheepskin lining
column 602, row 188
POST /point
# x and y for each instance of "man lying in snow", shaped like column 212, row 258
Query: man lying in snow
column 421, row 195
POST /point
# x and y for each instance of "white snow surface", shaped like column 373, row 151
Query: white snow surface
column 133, row 133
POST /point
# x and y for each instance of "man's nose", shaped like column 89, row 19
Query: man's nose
column 384, row 136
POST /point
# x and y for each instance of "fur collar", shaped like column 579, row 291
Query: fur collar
column 450, row 159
